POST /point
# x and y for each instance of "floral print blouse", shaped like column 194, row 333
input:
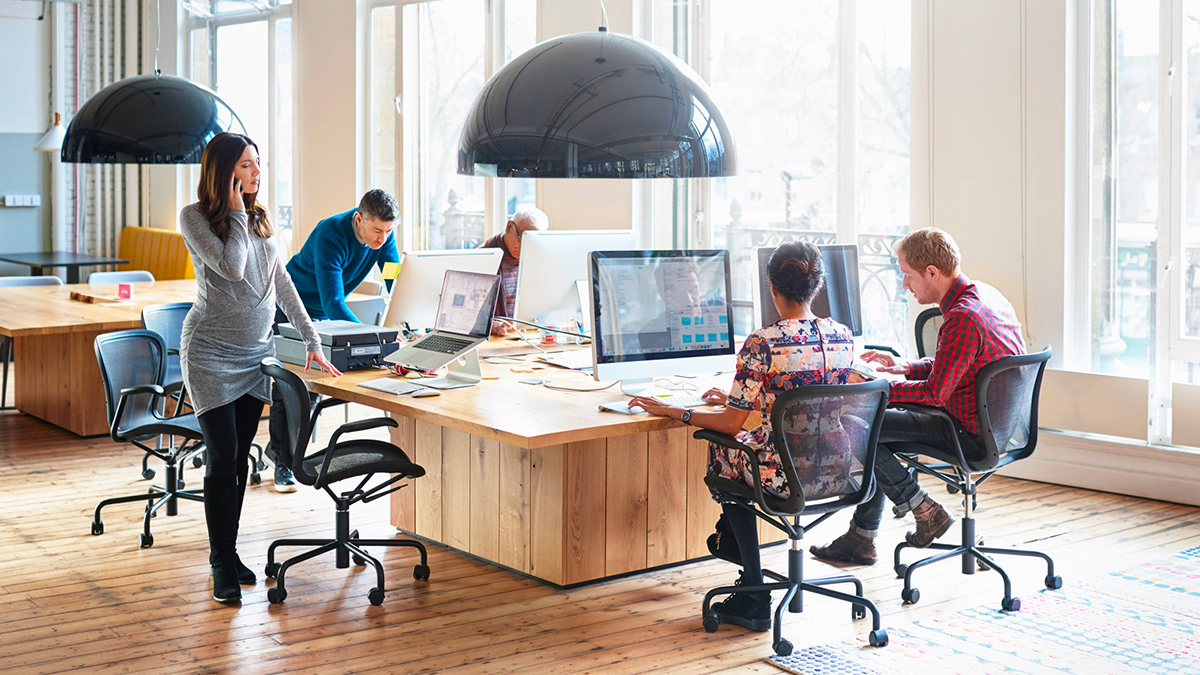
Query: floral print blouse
column 786, row 354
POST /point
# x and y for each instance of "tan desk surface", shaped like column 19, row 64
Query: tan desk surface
column 503, row 409
column 46, row 310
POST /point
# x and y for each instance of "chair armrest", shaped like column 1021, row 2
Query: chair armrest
column 883, row 348
column 725, row 440
column 172, row 352
column 143, row 389
column 362, row 425
column 120, row 411
column 939, row 413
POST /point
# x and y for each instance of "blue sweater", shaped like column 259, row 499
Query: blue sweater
column 333, row 263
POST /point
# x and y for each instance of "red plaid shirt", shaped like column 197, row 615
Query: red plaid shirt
column 974, row 333
column 507, row 298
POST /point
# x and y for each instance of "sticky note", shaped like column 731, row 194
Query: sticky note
column 390, row 270
column 124, row 291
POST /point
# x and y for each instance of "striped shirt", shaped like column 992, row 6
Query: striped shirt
column 976, row 330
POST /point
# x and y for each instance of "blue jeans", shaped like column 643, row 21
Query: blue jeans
column 892, row 479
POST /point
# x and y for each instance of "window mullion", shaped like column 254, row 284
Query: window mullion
column 847, row 118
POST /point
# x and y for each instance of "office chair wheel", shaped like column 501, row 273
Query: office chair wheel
column 260, row 465
column 1052, row 582
column 897, row 512
column 783, row 647
column 272, row 570
column 276, row 595
column 354, row 534
column 901, row 570
column 878, row 638
column 910, row 596
column 1010, row 604
column 421, row 572
column 179, row 484
column 951, row 489
column 858, row 611
column 197, row 462
column 375, row 596
column 148, row 474
column 145, row 540
column 97, row 527
column 256, row 478
column 711, row 622
column 358, row 559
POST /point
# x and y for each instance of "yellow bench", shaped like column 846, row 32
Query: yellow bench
column 161, row 252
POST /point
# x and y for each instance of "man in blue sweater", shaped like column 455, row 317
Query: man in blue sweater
column 334, row 260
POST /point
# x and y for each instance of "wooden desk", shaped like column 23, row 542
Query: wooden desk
column 56, row 376
column 541, row 481
column 38, row 262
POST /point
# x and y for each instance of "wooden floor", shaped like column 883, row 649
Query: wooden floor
column 70, row 601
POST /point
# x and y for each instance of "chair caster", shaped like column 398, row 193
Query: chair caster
column 358, row 559
column 901, row 570
column 711, row 622
column 878, row 638
column 858, row 612
column 354, row 534
column 951, row 489
column 1010, row 604
column 910, row 596
column 197, row 462
column 97, row 527
column 271, row 570
column 375, row 596
column 783, row 647
column 145, row 540
column 276, row 595
column 148, row 474
column 1053, row 582
column 421, row 572
column 256, row 478
column 260, row 465
column 897, row 512
column 179, row 484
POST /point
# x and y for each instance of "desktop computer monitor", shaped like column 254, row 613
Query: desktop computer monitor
column 660, row 313
column 418, row 286
column 839, row 300
column 553, row 266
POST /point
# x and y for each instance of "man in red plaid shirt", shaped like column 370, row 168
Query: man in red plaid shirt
column 509, row 241
column 978, row 327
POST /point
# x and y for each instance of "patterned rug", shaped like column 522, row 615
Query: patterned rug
column 1145, row 619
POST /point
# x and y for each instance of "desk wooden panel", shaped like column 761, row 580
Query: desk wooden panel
column 541, row 481
column 56, row 377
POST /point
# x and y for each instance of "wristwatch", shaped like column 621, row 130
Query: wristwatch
column 686, row 417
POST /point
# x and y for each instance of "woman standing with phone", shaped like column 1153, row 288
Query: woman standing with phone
column 227, row 334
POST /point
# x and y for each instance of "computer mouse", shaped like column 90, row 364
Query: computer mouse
column 426, row 392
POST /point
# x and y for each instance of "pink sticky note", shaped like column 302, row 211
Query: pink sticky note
column 125, row 291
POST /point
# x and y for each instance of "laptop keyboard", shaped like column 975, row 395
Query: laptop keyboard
column 443, row 344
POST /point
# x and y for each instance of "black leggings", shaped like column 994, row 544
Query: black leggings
column 228, row 433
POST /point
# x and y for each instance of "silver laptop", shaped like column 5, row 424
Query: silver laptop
column 464, row 321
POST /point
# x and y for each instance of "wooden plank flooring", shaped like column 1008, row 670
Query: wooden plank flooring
column 71, row 601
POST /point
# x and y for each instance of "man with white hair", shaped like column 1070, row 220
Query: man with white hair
column 509, row 241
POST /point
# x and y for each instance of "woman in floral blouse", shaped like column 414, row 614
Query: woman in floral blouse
column 799, row 349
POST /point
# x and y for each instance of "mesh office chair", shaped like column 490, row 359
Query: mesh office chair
column 167, row 320
column 1007, row 391
column 829, row 432
column 337, row 462
column 929, row 322
column 6, row 343
column 132, row 366
column 127, row 277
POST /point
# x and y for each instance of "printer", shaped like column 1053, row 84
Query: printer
column 347, row 345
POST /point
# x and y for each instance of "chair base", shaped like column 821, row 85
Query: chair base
column 795, row 586
column 346, row 545
column 971, row 554
column 157, row 497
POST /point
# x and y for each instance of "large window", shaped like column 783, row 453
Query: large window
column 420, row 89
column 242, row 49
column 1141, row 259
column 816, row 94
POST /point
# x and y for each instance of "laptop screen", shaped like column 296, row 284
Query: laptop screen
column 467, row 304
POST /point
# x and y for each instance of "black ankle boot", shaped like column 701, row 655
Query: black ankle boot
column 220, row 514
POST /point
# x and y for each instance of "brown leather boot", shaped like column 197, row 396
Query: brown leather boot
column 932, row 522
column 851, row 547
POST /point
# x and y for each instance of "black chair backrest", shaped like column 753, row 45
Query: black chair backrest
column 929, row 321
column 826, row 437
column 294, row 393
column 1007, row 391
column 166, row 320
column 130, row 358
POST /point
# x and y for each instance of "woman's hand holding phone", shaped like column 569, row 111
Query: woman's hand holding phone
column 236, row 203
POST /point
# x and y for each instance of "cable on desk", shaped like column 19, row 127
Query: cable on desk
column 513, row 326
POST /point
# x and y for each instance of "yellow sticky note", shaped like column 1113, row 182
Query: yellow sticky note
column 391, row 270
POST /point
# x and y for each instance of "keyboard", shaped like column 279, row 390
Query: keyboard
column 391, row 385
column 684, row 399
column 443, row 344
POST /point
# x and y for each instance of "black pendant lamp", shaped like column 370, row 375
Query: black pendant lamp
column 148, row 119
column 596, row 105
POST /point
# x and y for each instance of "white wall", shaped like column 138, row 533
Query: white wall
column 25, row 77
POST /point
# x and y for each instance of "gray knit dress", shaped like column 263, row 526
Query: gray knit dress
column 227, row 333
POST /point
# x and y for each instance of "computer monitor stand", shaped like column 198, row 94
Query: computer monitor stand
column 462, row 372
column 637, row 386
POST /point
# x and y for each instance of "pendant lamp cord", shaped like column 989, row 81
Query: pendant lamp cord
column 604, row 16
column 157, row 34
